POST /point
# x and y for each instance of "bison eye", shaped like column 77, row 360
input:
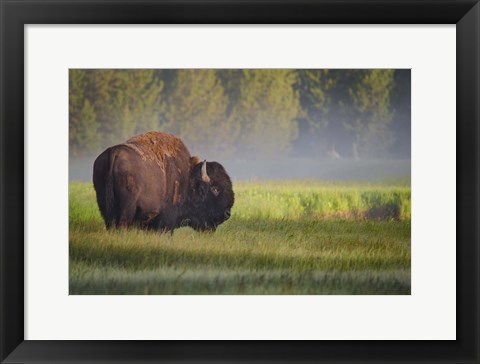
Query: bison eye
column 215, row 190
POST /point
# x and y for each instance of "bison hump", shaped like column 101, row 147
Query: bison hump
column 157, row 146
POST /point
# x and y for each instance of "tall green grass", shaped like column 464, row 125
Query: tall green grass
column 289, row 237
column 304, row 199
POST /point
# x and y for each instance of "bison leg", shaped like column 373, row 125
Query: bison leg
column 127, row 213
column 163, row 222
column 127, row 193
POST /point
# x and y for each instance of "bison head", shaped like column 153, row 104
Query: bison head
column 212, row 195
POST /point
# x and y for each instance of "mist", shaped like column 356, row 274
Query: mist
column 260, row 124
column 288, row 168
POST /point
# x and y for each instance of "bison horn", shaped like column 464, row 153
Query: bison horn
column 205, row 177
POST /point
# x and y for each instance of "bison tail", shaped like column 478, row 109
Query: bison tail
column 109, row 192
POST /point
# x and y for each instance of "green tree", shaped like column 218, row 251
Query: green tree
column 346, row 112
column 127, row 102
column 88, row 138
column 314, row 86
column 77, row 83
column 401, row 104
column 197, row 113
column 83, row 125
column 371, row 114
column 266, row 111
column 147, row 104
column 230, row 79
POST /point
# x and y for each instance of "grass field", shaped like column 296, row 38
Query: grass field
column 288, row 237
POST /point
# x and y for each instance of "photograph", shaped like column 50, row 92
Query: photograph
column 239, row 181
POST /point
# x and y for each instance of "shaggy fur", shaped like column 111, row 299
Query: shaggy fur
column 156, row 146
column 151, row 181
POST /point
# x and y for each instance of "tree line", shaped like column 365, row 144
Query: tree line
column 245, row 112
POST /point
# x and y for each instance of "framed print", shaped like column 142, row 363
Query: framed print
column 292, row 181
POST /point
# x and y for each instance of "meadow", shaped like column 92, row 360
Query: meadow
column 284, row 237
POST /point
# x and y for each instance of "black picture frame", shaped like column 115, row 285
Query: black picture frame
column 15, row 14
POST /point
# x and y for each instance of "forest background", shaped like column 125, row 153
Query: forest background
column 323, row 114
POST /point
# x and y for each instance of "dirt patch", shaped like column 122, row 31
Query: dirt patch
column 386, row 212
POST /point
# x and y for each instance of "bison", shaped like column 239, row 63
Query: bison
column 152, row 182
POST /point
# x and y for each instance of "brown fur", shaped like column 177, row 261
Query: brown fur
column 130, row 183
column 194, row 160
column 153, row 182
column 176, row 193
column 155, row 146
